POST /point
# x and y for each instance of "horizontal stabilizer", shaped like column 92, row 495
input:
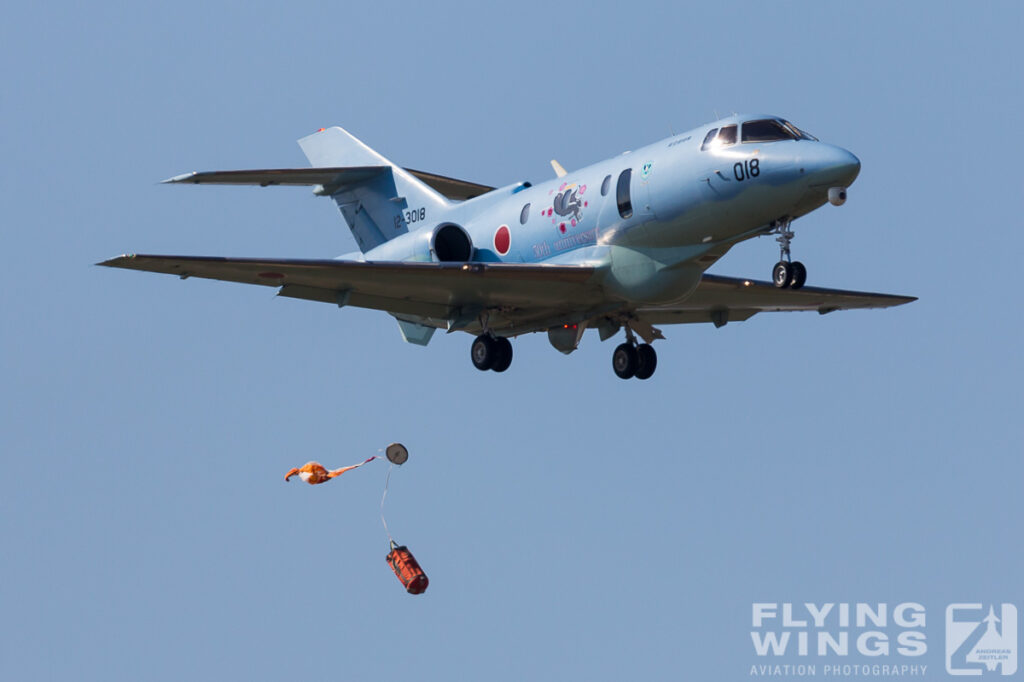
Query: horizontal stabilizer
column 328, row 177
column 459, row 190
column 282, row 176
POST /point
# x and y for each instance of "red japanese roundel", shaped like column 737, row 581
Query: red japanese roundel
column 502, row 240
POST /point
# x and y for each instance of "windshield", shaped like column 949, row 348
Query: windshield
column 800, row 133
column 767, row 130
column 771, row 130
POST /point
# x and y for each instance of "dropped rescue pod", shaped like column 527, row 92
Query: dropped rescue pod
column 401, row 560
column 408, row 570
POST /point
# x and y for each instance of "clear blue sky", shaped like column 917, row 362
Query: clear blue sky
column 574, row 526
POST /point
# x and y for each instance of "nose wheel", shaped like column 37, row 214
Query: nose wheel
column 632, row 360
column 787, row 273
column 791, row 275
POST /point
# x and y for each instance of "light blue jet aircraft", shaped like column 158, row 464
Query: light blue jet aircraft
column 622, row 244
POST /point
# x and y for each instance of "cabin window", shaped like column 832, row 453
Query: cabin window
column 606, row 185
column 767, row 130
column 524, row 215
column 622, row 193
column 709, row 138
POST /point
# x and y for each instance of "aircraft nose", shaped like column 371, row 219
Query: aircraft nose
column 847, row 165
column 835, row 167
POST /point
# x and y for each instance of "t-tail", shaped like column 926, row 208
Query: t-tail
column 379, row 200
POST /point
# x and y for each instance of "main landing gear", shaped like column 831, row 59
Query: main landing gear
column 634, row 360
column 787, row 273
column 491, row 352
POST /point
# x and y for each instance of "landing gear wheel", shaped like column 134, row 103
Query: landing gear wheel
column 502, row 354
column 483, row 352
column 625, row 361
column 782, row 274
column 647, row 361
column 799, row 275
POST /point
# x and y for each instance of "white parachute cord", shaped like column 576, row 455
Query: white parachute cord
column 387, row 480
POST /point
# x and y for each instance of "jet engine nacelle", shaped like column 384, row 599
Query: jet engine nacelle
column 451, row 243
column 445, row 243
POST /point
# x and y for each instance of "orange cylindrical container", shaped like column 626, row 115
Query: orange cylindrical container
column 405, row 566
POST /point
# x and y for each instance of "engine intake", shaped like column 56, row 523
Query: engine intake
column 451, row 243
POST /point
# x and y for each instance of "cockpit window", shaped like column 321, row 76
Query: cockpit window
column 800, row 133
column 726, row 135
column 767, row 130
column 709, row 138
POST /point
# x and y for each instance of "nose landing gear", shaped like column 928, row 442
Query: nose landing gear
column 787, row 273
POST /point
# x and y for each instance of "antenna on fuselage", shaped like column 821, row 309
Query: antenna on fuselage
column 717, row 117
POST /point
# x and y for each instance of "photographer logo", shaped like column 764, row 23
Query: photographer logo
column 980, row 640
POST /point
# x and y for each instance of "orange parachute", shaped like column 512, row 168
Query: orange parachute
column 315, row 472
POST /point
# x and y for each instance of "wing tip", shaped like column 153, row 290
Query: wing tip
column 184, row 177
column 116, row 261
column 899, row 299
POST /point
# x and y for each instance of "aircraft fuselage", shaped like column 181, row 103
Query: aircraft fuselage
column 652, row 219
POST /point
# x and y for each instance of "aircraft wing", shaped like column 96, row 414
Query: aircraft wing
column 729, row 299
column 328, row 177
column 521, row 297
column 452, row 294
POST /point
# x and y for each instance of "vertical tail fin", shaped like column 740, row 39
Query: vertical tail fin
column 382, row 207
